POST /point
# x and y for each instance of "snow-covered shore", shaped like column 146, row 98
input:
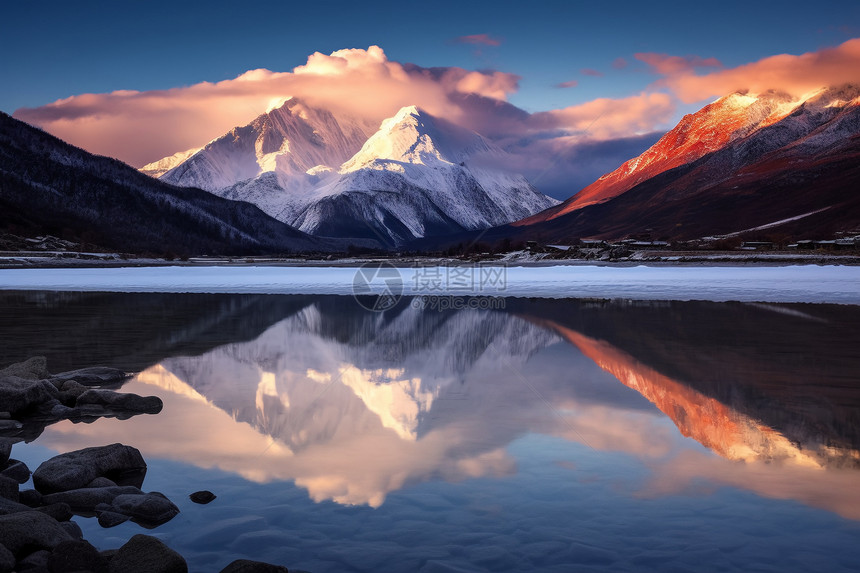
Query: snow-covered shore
column 806, row 283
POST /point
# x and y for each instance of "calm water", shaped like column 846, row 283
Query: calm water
column 558, row 435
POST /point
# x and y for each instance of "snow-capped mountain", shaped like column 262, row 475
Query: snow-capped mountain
column 741, row 162
column 50, row 187
column 289, row 142
column 416, row 176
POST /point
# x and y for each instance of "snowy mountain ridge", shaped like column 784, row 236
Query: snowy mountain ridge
column 417, row 175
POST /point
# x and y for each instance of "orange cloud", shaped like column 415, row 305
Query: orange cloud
column 482, row 39
column 667, row 65
column 139, row 127
column 607, row 118
column 570, row 84
column 796, row 75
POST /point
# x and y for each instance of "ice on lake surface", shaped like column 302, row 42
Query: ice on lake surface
column 545, row 435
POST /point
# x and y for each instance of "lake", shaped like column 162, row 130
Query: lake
column 506, row 434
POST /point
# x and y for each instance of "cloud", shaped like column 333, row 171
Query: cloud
column 591, row 72
column 667, row 65
column 607, row 118
column 139, row 127
column 569, row 84
column 796, row 75
column 480, row 39
column 619, row 64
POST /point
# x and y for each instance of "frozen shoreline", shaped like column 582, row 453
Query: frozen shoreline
column 806, row 283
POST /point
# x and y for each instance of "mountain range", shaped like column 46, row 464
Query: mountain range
column 742, row 163
column 332, row 175
column 303, row 178
column 48, row 186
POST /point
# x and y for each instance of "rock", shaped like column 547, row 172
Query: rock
column 151, row 508
column 76, row 469
column 108, row 519
column 21, row 394
column 59, row 511
column 16, row 470
column 35, row 368
column 95, row 376
column 77, row 555
column 5, row 450
column 36, row 561
column 202, row 497
column 24, row 531
column 118, row 401
column 10, row 427
column 72, row 529
column 101, row 482
column 108, row 554
column 145, row 554
column 30, row 497
column 72, row 389
column 9, row 489
column 248, row 566
column 88, row 498
column 7, row 507
column 7, row 560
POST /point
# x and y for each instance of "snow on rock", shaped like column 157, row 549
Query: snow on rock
column 417, row 175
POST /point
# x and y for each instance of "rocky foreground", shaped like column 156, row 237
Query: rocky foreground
column 36, row 529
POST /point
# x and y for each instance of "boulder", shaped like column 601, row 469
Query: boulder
column 59, row 511
column 72, row 529
column 248, row 566
column 77, row 555
column 5, row 449
column 30, row 497
column 119, row 401
column 95, row 376
column 145, row 554
column 76, row 469
column 20, row 532
column 151, row 508
column 35, row 368
column 202, row 497
column 37, row 561
column 7, row 507
column 16, row 470
column 21, row 394
column 101, row 482
column 9, row 489
column 7, row 560
column 88, row 498
column 108, row 519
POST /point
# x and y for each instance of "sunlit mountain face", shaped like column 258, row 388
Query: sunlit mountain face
column 353, row 405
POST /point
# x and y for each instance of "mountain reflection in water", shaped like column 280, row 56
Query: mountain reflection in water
column 353, row 405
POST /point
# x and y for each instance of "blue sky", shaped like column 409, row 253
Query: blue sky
column 54, row 50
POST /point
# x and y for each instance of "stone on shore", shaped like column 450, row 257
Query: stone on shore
column 77, row 555
column 29, row 530
column 118, row 401
column 145, row 554
column 76, row 469
column 22, row 394
column 16, row 470
column 8, row 507
column 7, row 560
column 88, row 498
column 202, row 497
column 95, row 376
column 9, row 489
column 5, row 449
column 35, row 368
column 59, row 511
column 108, row 519
column 248, row 566
column 150, row 509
